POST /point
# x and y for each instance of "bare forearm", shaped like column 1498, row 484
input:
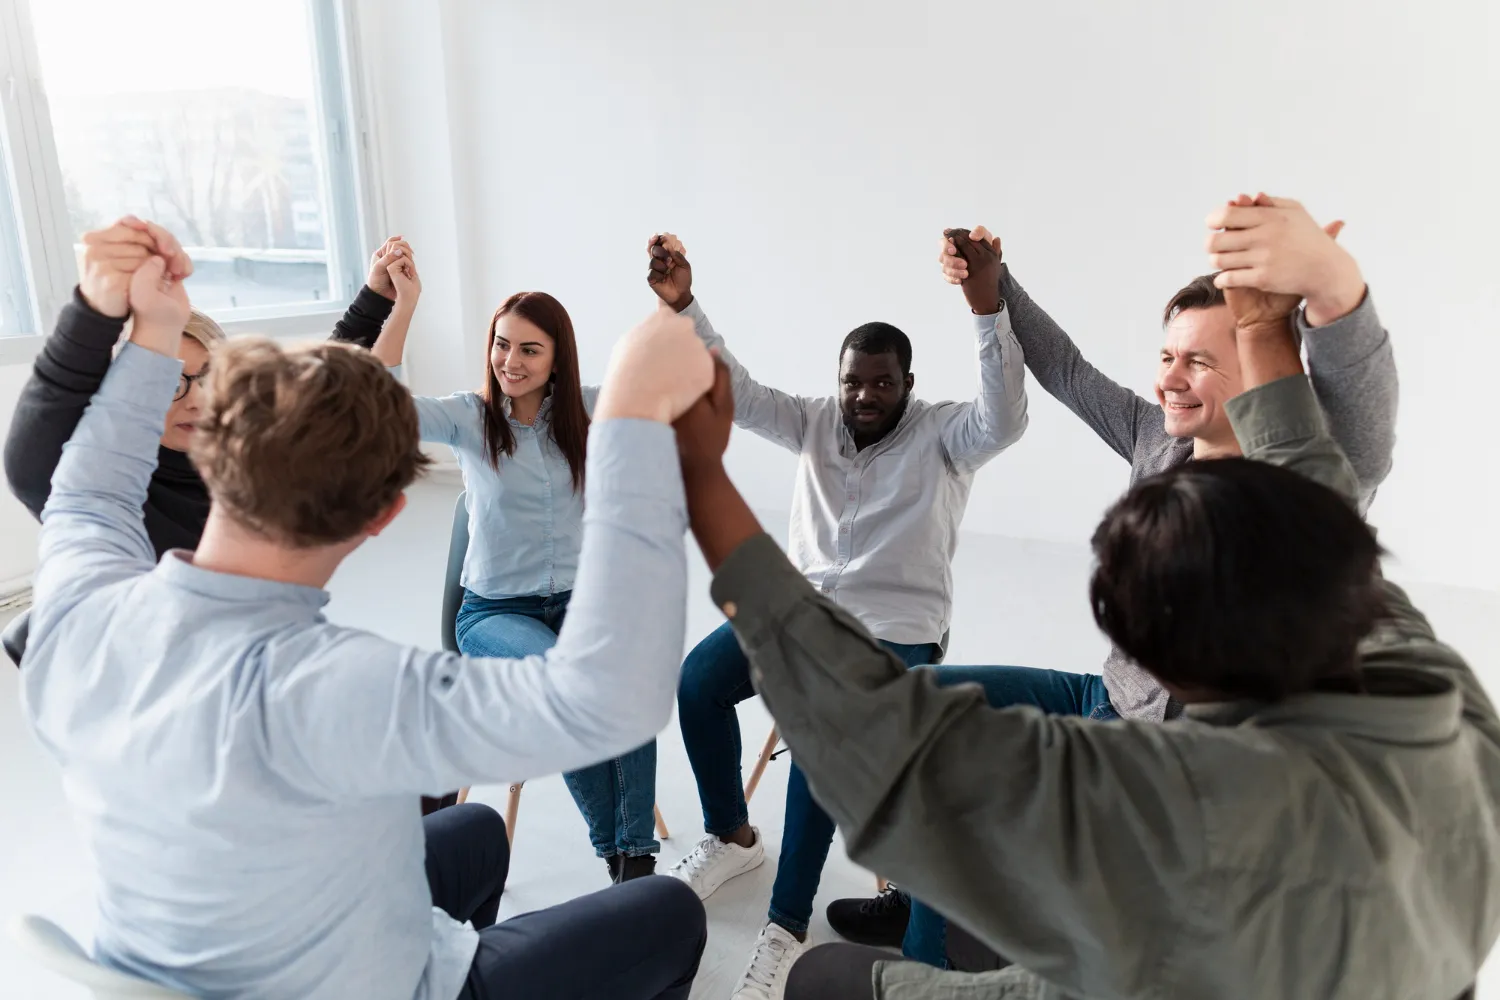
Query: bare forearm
column 1268, row 353
column 391, row 344
column 720, row 518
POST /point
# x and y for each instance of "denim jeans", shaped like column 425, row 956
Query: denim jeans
column 715, row 678
column 1054, row 692
column 618, row 797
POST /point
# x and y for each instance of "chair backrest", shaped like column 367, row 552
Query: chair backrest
column 14, row 636
column 453, row 590
column 54, row 948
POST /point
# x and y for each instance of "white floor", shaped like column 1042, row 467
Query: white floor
column 1018, row 602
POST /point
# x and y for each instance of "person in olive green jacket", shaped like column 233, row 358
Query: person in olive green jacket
column 1320, row 824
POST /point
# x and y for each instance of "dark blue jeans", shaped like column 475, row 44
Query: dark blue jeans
column 1052, row 691
column 642, row 940
column 618, row 797
column 715, row 678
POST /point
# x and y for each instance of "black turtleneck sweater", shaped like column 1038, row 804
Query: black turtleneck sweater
column 68, row 372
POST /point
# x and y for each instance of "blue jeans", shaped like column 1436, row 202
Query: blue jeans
column 1052, row 691
column 618, row 797
column 715, row 678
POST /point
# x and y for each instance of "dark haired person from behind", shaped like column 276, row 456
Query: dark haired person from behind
column 883, row 478
column 1320, row 823
column 520, row 444
column 76, row 357
column 1198, row 371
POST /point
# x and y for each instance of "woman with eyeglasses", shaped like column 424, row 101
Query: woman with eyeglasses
column 75, row 358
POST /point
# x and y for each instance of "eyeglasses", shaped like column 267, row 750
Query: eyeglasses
column 185, row 382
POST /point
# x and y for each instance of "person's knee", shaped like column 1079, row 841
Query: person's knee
column 676, row 905
column 832, row 972
column 711, row 672
column 486, row 826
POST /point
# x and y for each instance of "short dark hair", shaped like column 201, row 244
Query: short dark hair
column 1200, row 293
column 1237, row 577
column 879, row 338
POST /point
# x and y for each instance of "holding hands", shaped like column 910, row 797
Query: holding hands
column 657, row 371
column 137, row 268
column 972, row 259
column 670, row 275
column 1272, row 256
column 379, row 278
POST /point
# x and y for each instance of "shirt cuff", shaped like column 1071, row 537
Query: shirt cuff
column 90, row 329
column 757, row 586
column 634, row 458
column 143, row 378
column 1346, row 341
column 1276, row 413
column 992, row 324
column 372, row 303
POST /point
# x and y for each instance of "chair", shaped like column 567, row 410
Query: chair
column 453, row 599
column 54, row 949
column 14, row 636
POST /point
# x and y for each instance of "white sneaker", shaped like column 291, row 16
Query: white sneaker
column 770, row 964
column 713, row 862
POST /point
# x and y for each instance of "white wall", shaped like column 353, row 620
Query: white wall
column 809, row 154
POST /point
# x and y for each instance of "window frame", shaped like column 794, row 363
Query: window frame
column 345, row 150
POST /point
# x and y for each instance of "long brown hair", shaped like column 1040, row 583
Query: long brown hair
column 570, row 421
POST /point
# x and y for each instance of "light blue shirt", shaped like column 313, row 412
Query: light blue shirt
column 525, row 519
column 246, row 773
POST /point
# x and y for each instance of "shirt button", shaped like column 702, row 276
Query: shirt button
column 730, row 609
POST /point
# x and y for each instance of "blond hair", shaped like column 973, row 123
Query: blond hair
column 202, row 328
column 305, row 445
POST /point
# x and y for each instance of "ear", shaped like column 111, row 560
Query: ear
column 911, row 380
column 383, row 520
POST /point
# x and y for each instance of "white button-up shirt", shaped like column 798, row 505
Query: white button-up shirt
column 875, row 530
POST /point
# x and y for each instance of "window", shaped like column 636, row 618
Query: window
column 228, row 123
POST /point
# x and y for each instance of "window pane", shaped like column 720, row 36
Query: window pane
column 15, row 293
column 201, row 116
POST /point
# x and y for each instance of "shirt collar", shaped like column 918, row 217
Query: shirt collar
column 177, row 568
column 543, row 412
column 1401, row 705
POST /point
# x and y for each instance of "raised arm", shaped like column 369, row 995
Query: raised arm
column 413, row 721
column 1273, row 244
column 93, row 532
column 975, row 432
column 362, row 321
column 774, row 415
column 1114, row 412
column 73, row 361
column 987, row 815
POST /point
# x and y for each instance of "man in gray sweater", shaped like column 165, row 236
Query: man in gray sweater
column 1262, row 242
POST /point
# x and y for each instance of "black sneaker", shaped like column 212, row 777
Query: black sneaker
column 636, row 867
column 614, row 867
column 878, row 922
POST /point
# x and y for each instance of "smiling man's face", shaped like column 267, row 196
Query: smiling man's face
column 1199, row 372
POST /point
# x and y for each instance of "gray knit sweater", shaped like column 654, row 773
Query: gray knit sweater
column 1352, row 371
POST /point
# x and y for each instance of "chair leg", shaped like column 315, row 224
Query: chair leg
column 512, row 805
column 463, row 795
column 661, row 824
column 760, row 765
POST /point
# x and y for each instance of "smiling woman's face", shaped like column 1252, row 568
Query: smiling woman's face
column 522, row 356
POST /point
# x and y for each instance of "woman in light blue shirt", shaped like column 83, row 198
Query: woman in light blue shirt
column 520, row 445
